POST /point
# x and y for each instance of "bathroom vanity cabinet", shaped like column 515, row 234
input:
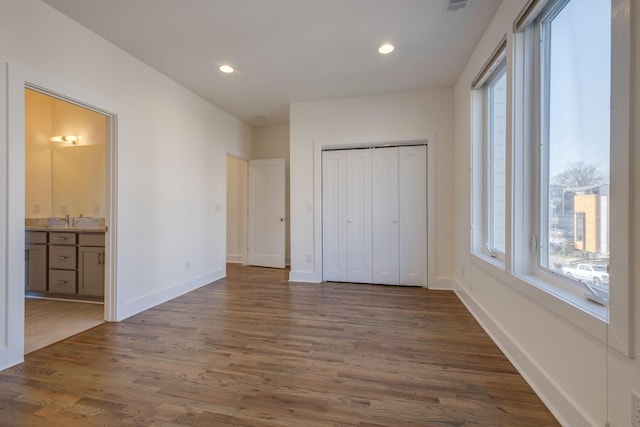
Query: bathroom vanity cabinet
column 35, row 261
column 68, row 262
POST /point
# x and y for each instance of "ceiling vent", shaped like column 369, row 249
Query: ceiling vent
column 454, row 5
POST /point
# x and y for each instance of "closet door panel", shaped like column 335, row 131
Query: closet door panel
column 334, row 216
column 359, row 216
column 385, row 239
column 413, row 215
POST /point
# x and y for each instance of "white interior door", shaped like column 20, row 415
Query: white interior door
column 334, row 216
column 359, row 216
column 385, row 240
column 266, row 226
column 413, row 215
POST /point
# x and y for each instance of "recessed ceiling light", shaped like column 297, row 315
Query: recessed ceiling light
column 260, row 118
column 386, row 48
column 228, row 69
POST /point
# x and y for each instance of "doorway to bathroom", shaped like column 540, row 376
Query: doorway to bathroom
column 66, row 220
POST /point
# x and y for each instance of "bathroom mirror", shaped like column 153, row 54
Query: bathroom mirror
column 64, row 175
column 78, row 181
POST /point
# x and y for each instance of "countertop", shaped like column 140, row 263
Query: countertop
column 76, row 224
column 61, row 228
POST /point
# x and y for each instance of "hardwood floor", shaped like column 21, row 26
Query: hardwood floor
column 255, row 350
column 50, row 321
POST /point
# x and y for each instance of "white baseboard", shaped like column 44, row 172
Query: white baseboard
column 139, row 305
column 304, row 276
column 560, row 405
column 235, row 259
column 444, row 283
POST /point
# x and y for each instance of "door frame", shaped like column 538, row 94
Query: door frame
column 18, row 79
column 245, row 195
column 319, row 146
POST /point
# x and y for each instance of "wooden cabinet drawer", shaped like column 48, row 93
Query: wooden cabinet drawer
column 35, row 237
column 62, row 257
column 62, row 238
column 62, row 281
column 91, row 239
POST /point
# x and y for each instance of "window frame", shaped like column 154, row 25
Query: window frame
column 554, row 291
column 488, row 166
column 539, row 229
column 494, row 261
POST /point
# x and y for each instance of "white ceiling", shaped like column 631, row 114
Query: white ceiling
column 290, row 50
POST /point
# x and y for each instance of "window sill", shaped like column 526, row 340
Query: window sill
column 493, row 266
column 569, row 305
column 574, row 308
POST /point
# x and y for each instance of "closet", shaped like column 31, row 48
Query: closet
column 374, row 215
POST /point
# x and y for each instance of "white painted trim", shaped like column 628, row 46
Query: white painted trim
column 305, row 276
column 245, row 190
column 151, row 300
column 235, row 259
column 619, row 333
column 443, row 284
column 559, row 403
column 7, row 356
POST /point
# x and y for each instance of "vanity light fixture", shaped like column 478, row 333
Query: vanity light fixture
column 71, row 139
column 386, row 48
column 227, row 69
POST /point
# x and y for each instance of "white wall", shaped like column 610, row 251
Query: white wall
column 368, row 120
column 272, row 142
column 171, row 153
column 574, row 373
column 38, row 155
column 236, row 209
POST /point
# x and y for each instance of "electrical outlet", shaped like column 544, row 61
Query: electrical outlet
column 635, row 409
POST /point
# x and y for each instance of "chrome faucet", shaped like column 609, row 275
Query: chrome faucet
column 67, row 221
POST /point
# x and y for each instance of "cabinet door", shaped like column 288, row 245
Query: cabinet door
column 359, row 216
column 413, row 215
column 91, row 271
column 385, row 216
column 36, row 268
column 334, row 216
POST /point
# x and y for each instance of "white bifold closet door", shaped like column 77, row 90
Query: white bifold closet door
column 334, row 216
column 359, row 216
column 385, row 237
column 375, row 215
column 412, row 217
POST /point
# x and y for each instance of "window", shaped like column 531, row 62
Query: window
column 490, row 156
column 496, row 160
column 574, row 80
column 571, row 89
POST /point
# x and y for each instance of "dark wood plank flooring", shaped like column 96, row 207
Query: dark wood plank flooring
column 255, row 350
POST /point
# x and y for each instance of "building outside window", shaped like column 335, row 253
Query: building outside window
column 574, row 86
